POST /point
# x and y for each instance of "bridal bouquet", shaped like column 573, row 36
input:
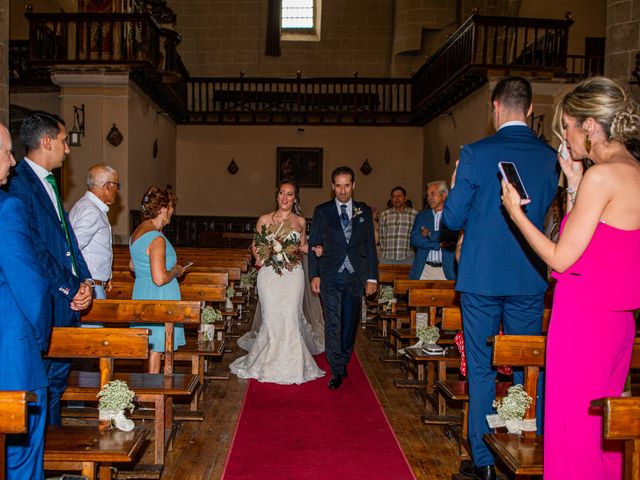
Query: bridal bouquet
column 277, row 247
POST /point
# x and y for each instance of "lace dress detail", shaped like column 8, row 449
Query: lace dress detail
column 279, row 352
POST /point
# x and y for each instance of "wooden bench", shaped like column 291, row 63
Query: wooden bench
column 158, row 389
column 621, row 421
column 431, row 299
column 456, row 391
column 87, row 448
column 522, row 454
column 13, row 419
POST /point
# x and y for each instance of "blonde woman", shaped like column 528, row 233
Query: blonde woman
column 596, row 261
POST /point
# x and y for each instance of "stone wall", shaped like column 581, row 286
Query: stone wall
column 223, row 37
column 623, row 40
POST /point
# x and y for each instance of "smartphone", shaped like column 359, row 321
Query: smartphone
column 187, row 265
column 563, row 151
column 510, row 174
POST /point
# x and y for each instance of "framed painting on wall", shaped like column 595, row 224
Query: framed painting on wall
column 302, row 164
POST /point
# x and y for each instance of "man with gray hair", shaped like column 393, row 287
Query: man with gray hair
column 91, row 225
column 435, row 246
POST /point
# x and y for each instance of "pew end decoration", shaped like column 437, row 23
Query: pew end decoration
column 386, row 297
column 511, row 410
column 428, row 336
column 114, row 398
column 277, row 247
column 229, row 294
column 208, row 318
column 248, row 279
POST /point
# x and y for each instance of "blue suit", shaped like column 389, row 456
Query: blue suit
column 25, row 327
column 501, row 278
column 424, row 245
column 52, row 251
column 341, row 292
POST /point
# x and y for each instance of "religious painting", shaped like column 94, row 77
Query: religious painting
column 302, row 164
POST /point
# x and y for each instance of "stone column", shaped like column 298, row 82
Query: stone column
column 4, row 61
column 623, row 41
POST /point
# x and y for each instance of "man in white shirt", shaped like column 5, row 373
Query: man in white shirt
column 91, row 225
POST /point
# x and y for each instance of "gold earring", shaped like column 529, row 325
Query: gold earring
column 587, row 144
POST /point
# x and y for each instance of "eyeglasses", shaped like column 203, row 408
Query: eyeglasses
column 118, row 186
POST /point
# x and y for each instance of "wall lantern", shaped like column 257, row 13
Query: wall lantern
column 78, row 126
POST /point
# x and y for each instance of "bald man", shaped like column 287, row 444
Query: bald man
column 91, row 225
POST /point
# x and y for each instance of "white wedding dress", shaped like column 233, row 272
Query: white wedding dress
column 279, row 352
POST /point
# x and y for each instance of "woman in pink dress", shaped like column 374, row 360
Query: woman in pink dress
column 596, row 262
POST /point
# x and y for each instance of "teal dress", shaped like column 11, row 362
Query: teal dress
column 145, row 289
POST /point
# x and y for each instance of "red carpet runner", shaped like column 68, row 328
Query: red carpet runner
column 310, row 432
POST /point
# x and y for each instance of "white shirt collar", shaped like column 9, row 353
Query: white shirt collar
column 349, row 204
column 99, row 203
column 513, row 123
column 41, row 172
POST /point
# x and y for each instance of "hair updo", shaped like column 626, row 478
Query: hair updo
column 607, row 103
column 296, row 201
column 155, row 199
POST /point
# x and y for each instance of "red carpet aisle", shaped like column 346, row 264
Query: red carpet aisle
column 310, row 432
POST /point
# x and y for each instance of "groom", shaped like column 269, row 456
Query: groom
column 347, row 268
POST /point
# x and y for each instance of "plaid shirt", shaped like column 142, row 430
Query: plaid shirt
column 395, row 233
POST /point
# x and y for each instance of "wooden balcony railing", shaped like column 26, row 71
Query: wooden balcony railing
column 481, row 47
column 580, row 67
column 484, row 44
column 285, row 100
column 92, row 38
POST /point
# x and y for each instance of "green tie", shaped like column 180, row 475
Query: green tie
column 52, row 180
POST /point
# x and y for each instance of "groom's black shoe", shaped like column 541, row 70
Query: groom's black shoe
column 470, row 471
column 335, row 382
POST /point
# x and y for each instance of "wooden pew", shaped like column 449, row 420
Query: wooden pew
column 387, row 273
column 155, row 388
column 522, row 454
column 13, row 419
column 429, row 298
column 621, row 421
column 87, row 448
column 457, row 390
column 189, row 292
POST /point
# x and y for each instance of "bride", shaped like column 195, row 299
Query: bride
column 279, row 352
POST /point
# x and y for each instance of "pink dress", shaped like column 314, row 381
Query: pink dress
column 589, row 346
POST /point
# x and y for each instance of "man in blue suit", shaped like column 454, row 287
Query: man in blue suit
column 45, row 140
column 347, row 268
column 500, row 278
column 25, row 325
column 435, row 246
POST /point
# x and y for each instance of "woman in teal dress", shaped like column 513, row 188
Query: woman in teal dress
column 153, row 260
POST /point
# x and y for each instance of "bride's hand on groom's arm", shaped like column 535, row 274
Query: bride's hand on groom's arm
column 318, row 250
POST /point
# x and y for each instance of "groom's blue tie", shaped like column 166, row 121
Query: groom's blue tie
column 344, row 218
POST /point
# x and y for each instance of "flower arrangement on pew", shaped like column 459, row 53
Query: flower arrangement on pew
column 208, row 318
column 248, row 279
column 385, row 296
column 229, row 294
column 511, row 410
column 115, row 397
column 277, row 247
column 428, row 336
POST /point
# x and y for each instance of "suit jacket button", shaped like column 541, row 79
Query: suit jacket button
column 68, row 254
